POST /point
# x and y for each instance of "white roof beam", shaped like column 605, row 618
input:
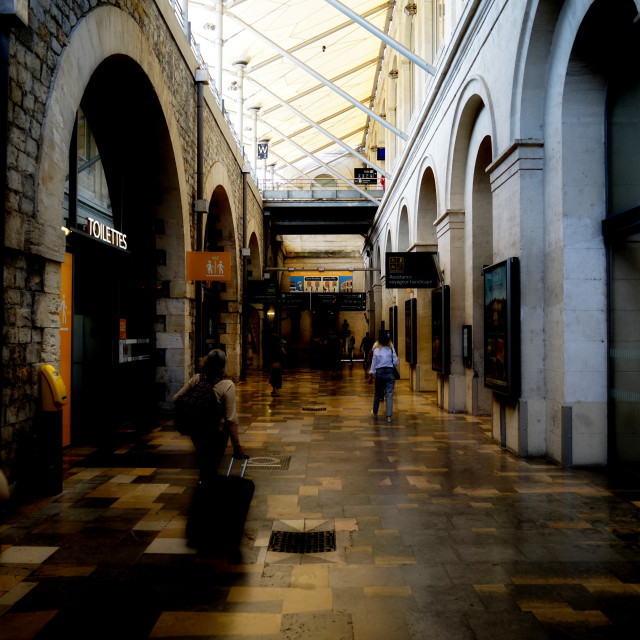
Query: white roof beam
column 329, row 144
column 319, row 77
column 303, row 94
column 325, row 166
column 291, row 166
column 322, row 36
column 322, row 130
column 394, row 44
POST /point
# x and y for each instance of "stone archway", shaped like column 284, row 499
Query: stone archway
column 109, row 39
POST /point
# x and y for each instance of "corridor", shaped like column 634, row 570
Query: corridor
column 438, row 533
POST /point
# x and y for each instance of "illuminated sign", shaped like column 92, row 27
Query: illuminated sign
column 99, row 230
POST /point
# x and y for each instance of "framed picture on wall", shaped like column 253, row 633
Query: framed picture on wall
column 411, row 330
column 440, row 330
column 467, row 345
column 502, row 327
column 394, row 331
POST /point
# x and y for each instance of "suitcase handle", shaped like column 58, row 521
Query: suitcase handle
column 244, row 467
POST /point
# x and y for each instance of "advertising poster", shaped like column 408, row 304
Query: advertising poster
column 411, row 330
column 321, row 282
column 440, row 330
column 495, row 300
column 502, row 327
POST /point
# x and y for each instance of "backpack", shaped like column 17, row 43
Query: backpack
column 197, row 408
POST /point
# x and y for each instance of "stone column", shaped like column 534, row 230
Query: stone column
column 516, row 184
column 450, row 233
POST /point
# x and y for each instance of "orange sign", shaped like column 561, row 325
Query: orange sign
column 65, row 311
column 204, row 265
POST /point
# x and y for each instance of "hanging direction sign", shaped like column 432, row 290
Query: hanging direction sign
column 365, row 176
column 295, row 301
column 411, row 271
column 353, row 302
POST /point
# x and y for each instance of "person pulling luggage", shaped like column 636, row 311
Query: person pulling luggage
column 211, row 435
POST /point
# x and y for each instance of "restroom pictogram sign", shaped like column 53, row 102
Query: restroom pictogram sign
column 205, row 265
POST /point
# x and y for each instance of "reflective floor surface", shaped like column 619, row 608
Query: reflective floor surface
column 438, row 533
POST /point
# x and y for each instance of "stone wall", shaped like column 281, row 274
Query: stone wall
column 51, row 63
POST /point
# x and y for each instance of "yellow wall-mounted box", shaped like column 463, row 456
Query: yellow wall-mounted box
column 53, row 390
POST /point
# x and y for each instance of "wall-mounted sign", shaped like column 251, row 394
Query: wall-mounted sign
column 208, row 266
column 263, row 150
column 365, row 176
column 411, row 270
column 101, row 231
column 262, row 291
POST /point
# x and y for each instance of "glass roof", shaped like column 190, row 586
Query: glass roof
column 321, row 37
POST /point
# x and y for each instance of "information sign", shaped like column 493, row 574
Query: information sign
column 411, row 271
column 325, row 301
column 208, row 266
column 262, row 291
column 352, row 302
column 365, row 176
column 295, row 301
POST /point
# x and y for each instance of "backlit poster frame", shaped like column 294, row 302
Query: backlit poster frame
column 440, row 330
column 411, row 330
column 393, row 325
column 502, row 327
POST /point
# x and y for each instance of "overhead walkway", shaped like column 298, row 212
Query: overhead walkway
column 305, row 207
column 422, row 528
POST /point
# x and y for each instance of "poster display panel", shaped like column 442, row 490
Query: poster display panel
column 502, row 327
column 440, row 330
column 411, row 330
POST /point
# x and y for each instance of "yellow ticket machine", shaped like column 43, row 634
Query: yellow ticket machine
column 53, row 391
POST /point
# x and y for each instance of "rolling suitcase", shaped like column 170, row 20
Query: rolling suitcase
column 218, row 513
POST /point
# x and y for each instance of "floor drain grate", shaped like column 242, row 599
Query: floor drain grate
column 302, row 541
column 258, row 461
column 314, row 408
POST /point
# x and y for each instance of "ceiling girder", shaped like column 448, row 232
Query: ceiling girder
column 302, row 173
column 303, row 94
column 319, row 77
column 394, row 44
column 326, row 146
column 322, row 130
column 333, row 172
column 321, row 36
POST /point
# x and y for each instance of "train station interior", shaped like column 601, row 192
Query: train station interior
column 458, row 176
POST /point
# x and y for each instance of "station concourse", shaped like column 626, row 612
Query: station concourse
column 186, row 175
column 438, row 532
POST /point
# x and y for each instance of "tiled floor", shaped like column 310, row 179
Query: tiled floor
column 439, row 534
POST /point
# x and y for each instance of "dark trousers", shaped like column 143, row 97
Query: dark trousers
column 210, row 446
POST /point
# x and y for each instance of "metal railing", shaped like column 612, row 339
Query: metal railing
column 278, row 189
